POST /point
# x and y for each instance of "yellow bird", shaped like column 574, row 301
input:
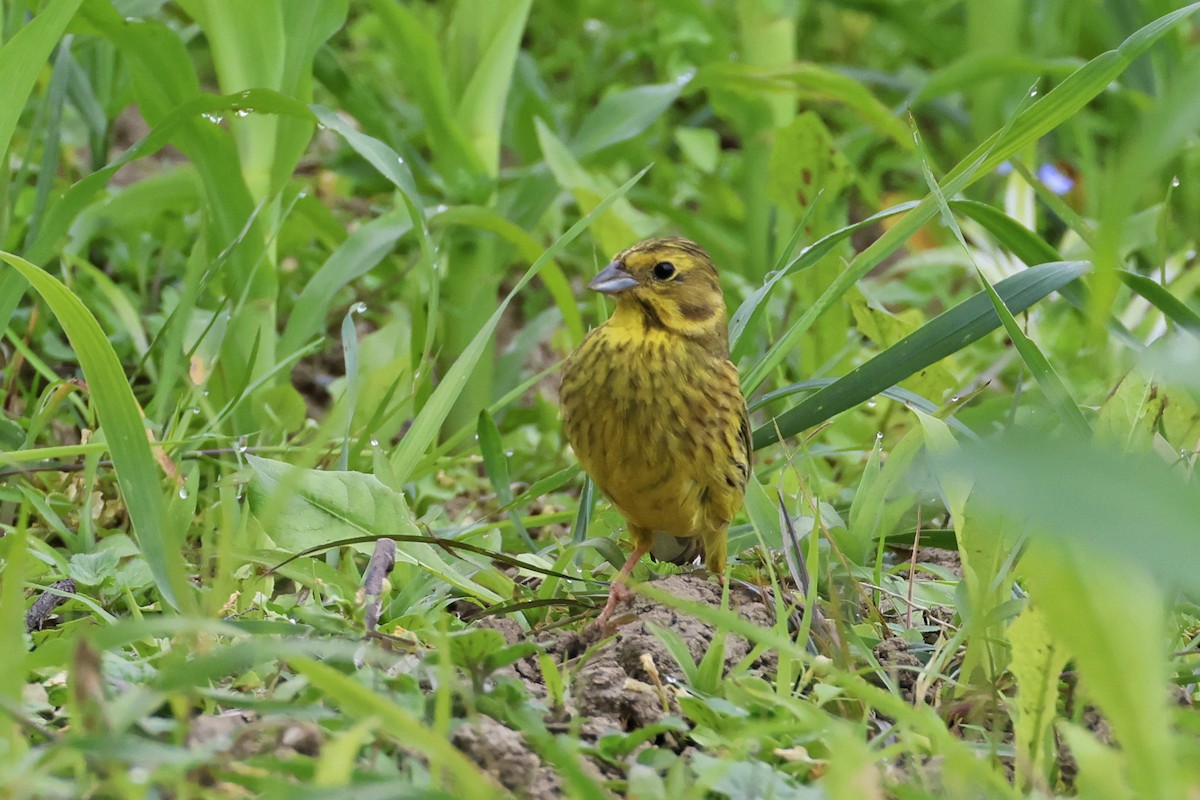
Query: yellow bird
column 652, row 406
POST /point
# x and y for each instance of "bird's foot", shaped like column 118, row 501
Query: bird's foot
column 618, row 594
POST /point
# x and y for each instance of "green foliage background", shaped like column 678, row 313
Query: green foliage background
column 283, row 277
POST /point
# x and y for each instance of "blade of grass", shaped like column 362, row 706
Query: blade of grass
column 137, row 473
column 1056, row 391
column 946, row 333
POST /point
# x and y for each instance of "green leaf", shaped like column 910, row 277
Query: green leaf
column 24, row 56
column 623, row 115
column 121, row 422
column 1037, row 662
column 455, row 771
column 811, row 80
column 946, row 333
column 486, row 34
column 1161, row 298
column 617, row 226
column 1095, row 495
column 362, row 251
column 93, row 569
column 470, row 649
column 317, row 507
column 1043, row 372
column 1049, row 112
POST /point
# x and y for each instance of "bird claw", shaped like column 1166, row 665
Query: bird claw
column 618, row 594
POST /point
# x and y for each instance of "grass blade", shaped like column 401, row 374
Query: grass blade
column 137, row 473
column 946, row 333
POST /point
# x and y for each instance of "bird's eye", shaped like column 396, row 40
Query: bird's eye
column 663, row 270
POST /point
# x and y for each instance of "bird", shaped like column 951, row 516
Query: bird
column 652, row 406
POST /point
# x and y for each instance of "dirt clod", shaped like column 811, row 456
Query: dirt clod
column 503, row 754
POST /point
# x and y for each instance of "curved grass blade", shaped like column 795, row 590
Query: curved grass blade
column 896, row 393
column 137, row 473
column 811, row 255
column 1043, row 372
column 524, row 605
column 449, row 545
column 946, row 333
column 1161, row 298
column 359, row 254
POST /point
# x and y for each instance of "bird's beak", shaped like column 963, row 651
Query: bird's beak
column 613, row 279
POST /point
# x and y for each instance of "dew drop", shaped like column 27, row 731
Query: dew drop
column 954, row 399
column 240, row 445
column 183, row 493
column 244, row 112
column 358, row 308
column 879, row 436
column 374, row 442
column 195, row 411
column 1033, row 92
column 205, row 393
column 872, row 403
column 508, row 453
column 1175, row 181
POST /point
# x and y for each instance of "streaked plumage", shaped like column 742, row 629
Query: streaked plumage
column 652, row 405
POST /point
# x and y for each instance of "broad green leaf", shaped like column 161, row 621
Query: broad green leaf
column 121, row 422
column 946, row 333
column 985, row 551
column 1130, row 417
column 805, row 162
column 1132, row 506
column 623, row 115
column 486, row 34
column 620, row 225
column 1107, row 612
column 319, row 507
column 1037, row 663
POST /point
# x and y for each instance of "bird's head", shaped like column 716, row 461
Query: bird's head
column 670, row 285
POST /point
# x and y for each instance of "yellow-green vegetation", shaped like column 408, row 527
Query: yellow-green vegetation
column 286, row 505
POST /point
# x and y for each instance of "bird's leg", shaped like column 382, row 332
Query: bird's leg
column 619, row 592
